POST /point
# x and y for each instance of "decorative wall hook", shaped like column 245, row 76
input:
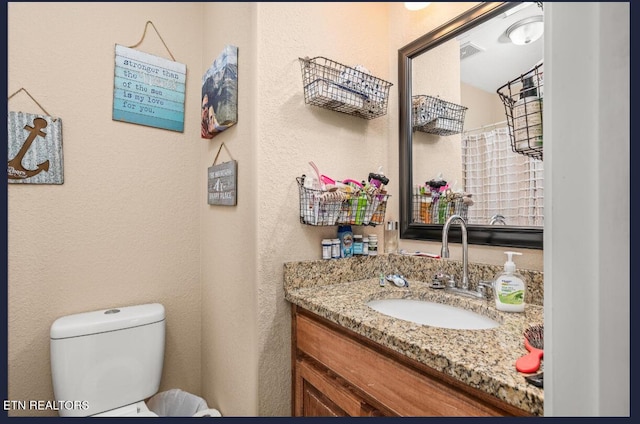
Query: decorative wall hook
column 34, row 100
column 159, row 36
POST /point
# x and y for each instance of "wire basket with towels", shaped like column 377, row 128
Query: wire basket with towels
column 351, row 90
column 436, row 116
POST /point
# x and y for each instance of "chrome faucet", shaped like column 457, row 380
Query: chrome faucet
column 497, row 219
column 444, row 252
column 440, row 277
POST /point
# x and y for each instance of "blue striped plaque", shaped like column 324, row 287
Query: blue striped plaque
column 148, row 90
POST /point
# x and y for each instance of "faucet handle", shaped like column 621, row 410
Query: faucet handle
column 439, row 278
column 482, row 286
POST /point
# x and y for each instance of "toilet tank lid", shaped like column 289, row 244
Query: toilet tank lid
column 94, row 322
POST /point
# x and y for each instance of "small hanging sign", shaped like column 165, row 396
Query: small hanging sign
column 148, row 90
column 34, row 149
column 222, row 184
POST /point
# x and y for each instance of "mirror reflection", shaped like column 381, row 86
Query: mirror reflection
column 470, row 147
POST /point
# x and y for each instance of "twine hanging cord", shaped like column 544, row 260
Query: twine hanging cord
column 159, row 36
column 219, row 149
column 34, row 100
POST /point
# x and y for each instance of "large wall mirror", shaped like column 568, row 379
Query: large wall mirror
column 454, row 127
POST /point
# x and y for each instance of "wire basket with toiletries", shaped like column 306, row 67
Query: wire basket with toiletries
column 351, row 90
column 522, row 99
column 436, row 210
column 436, row 116
column 435, row 201
column 349, row 203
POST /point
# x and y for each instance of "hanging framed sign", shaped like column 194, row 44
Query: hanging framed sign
column 34, row 149
column 148, row 90
column 222, row 182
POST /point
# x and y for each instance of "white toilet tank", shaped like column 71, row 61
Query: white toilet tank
column 107, row 359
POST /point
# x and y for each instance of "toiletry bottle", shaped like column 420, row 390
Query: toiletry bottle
column 509, row 287
column 335, row 248
column 373, row 245
column 391, row 237
column 346, row 241
column 378, row 179
column 442, row 209
column 326, row 249
column 361, row 207
column 357, row 245
column 527, row 117
column 425, row 207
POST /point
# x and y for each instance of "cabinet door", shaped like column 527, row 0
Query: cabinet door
column 315, row 404
column 321, row 394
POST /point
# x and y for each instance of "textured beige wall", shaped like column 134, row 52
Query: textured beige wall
column 229, row 252
column 485, row 108
column 123, row 229
column 292, row 134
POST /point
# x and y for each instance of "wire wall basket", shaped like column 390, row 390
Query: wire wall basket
column 436, row 210
column 436, row 116
column 331, row 85
column 321, row 208
column 522, row 99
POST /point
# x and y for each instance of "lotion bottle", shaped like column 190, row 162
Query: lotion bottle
column 509, row 287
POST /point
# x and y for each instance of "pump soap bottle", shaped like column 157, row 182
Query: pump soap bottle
column 509, row 287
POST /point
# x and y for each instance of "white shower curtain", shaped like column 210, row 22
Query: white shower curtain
column 501, row 181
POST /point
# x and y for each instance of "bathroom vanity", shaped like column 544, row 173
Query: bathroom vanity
column 350, row 360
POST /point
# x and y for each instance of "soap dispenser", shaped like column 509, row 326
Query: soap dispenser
column 509, row 287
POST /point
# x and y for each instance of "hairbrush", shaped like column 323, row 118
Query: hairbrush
column 536, row 379
column 534, row 342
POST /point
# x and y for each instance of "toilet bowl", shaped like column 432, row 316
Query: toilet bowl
column 109, row 361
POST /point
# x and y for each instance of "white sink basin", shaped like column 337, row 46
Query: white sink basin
column 432, row 314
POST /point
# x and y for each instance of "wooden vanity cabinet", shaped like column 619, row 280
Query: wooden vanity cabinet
column 337, row 372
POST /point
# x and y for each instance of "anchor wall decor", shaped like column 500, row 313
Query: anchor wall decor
column 34, row 149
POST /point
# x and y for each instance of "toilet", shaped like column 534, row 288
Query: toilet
column 106, row 363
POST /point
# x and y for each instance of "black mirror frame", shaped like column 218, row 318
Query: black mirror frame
column 523, row 237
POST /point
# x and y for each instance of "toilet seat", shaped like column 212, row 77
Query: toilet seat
column 138, row 409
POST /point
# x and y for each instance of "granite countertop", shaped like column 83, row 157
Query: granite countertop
column 483, row 359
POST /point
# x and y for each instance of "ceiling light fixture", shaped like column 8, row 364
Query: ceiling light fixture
column 416, row 5
column 526, row 31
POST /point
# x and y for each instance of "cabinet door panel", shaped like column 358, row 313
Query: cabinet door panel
column 386, row 380
column 315, row 404
column 325, row 395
